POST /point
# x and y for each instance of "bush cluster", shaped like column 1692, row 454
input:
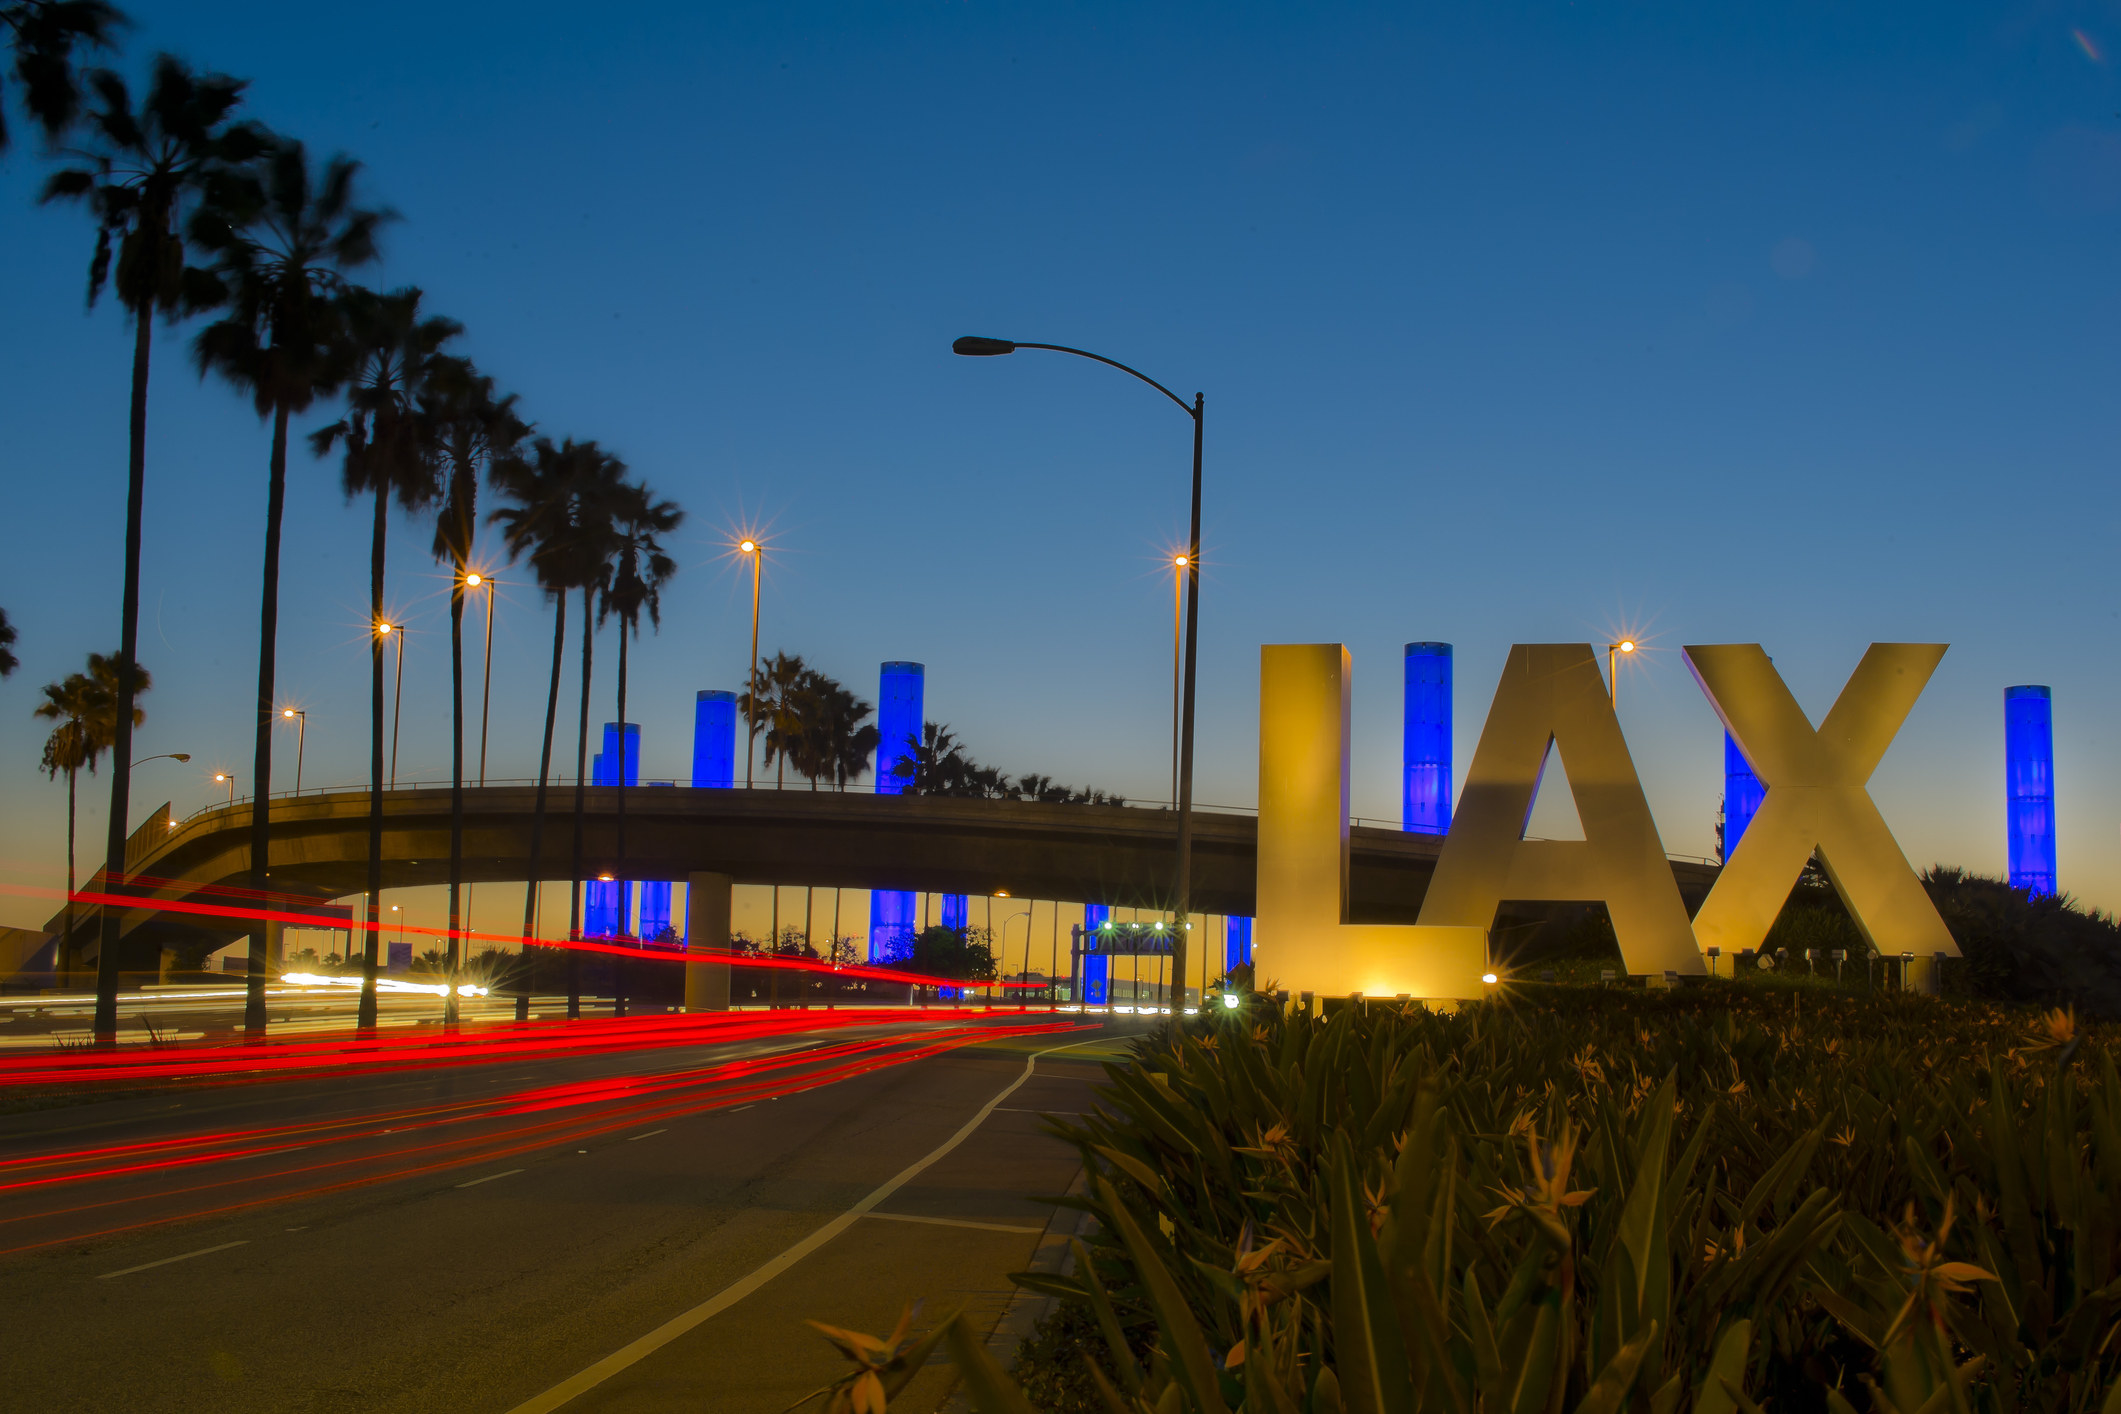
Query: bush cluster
column 1716, row 1200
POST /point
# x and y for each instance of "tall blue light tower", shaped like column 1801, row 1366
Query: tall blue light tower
column 1094, row 987
column 1237, row 943
column 714, row 739
column 1425, row 805
column 901, row 701
column 2029, row 787
column 1742, row 794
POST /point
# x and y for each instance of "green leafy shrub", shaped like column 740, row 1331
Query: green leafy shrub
column 1713, row 1200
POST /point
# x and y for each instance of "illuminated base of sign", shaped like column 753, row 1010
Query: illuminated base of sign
column 1377, row 960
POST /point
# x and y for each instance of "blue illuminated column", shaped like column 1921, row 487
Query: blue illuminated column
column 2029, row 787
column 1425, row 806
column 954, row 911
column 1742, row 794
column 714, row 739
column 1237, row 943
column 901, row 699
column 1094, row 987
column 900, row 702
column 891, row 925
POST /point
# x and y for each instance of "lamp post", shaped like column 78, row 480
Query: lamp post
column 397, row 700
column 1178, row 599
column 166, row 756
column 228, row 778
column 1612, row 667
column 301, row 720
column 1023, row 976
column 751, row 672
column 475, row 580
column 973, row 346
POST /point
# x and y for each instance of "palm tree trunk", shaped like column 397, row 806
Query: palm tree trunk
column 66, row 948
column 366, row 1018
column 619, row 980
column 581, row 767
column 261, row 759
column 537, row 815
column 121, row 747
column 456, row 789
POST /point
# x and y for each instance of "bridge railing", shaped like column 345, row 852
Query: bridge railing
column 559, row 783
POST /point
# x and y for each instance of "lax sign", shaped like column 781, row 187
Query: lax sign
column 1553, row 695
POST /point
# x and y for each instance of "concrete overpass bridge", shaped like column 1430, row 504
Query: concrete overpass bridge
column 1119, row 855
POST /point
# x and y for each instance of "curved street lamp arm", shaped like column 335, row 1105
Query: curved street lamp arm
column 1184, row 406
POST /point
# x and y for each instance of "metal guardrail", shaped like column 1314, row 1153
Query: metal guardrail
column 558, row 783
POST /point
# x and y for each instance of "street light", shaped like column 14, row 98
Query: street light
column 751, row 673
column 166, row 756
column 475, row 580
column 229, row 777
column 301, row 720
column 1178, row 598
column 973, row 346
column 1612, row 673
column 397, row 631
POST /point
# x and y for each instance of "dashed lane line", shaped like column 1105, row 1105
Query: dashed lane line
column 185, row 1257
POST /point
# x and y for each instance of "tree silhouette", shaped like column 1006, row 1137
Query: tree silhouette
column 773, row 707
column 8, row 661
column 44, row 35
column 542, row 518
column 639, row 570
column 389, row 452
column 145, row 174
column 85, row 706
column 289, row 234
column 472, row 427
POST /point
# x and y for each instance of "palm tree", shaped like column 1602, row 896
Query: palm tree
column 44, row 35
column 8, row 661
column 85, row 705
column 472, row 427
column 541, row 520
column 774, row 708
column 288, row 236
column 389, row 453
column 834, row 741
column 593, row 547
column 142, row 171
column 640, row 570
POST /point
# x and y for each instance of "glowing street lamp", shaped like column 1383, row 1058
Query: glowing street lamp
column 973, row 346
column 227, row 778
column 1179, row 564
column 476, row 581
column 757, row 552
column 301, row 720
column 388, row 632
column 1626, row 645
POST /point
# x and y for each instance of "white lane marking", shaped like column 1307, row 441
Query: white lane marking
column 566, row 1390
column 186, row 1257
column 649, row 1135
column 489, row 1178
column 741, row 1108
column 1021, row 1110
column 953, row 1222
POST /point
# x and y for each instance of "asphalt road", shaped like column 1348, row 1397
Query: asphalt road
column 476, row 1238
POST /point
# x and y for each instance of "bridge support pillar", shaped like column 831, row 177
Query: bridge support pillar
column 707, row 908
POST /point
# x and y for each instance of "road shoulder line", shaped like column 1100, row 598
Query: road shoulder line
column 185, row 1257
column 619, row 1360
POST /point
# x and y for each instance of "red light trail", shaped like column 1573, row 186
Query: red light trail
column 500, row 1126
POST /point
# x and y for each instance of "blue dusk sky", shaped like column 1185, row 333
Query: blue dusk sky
column 1790, row 324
